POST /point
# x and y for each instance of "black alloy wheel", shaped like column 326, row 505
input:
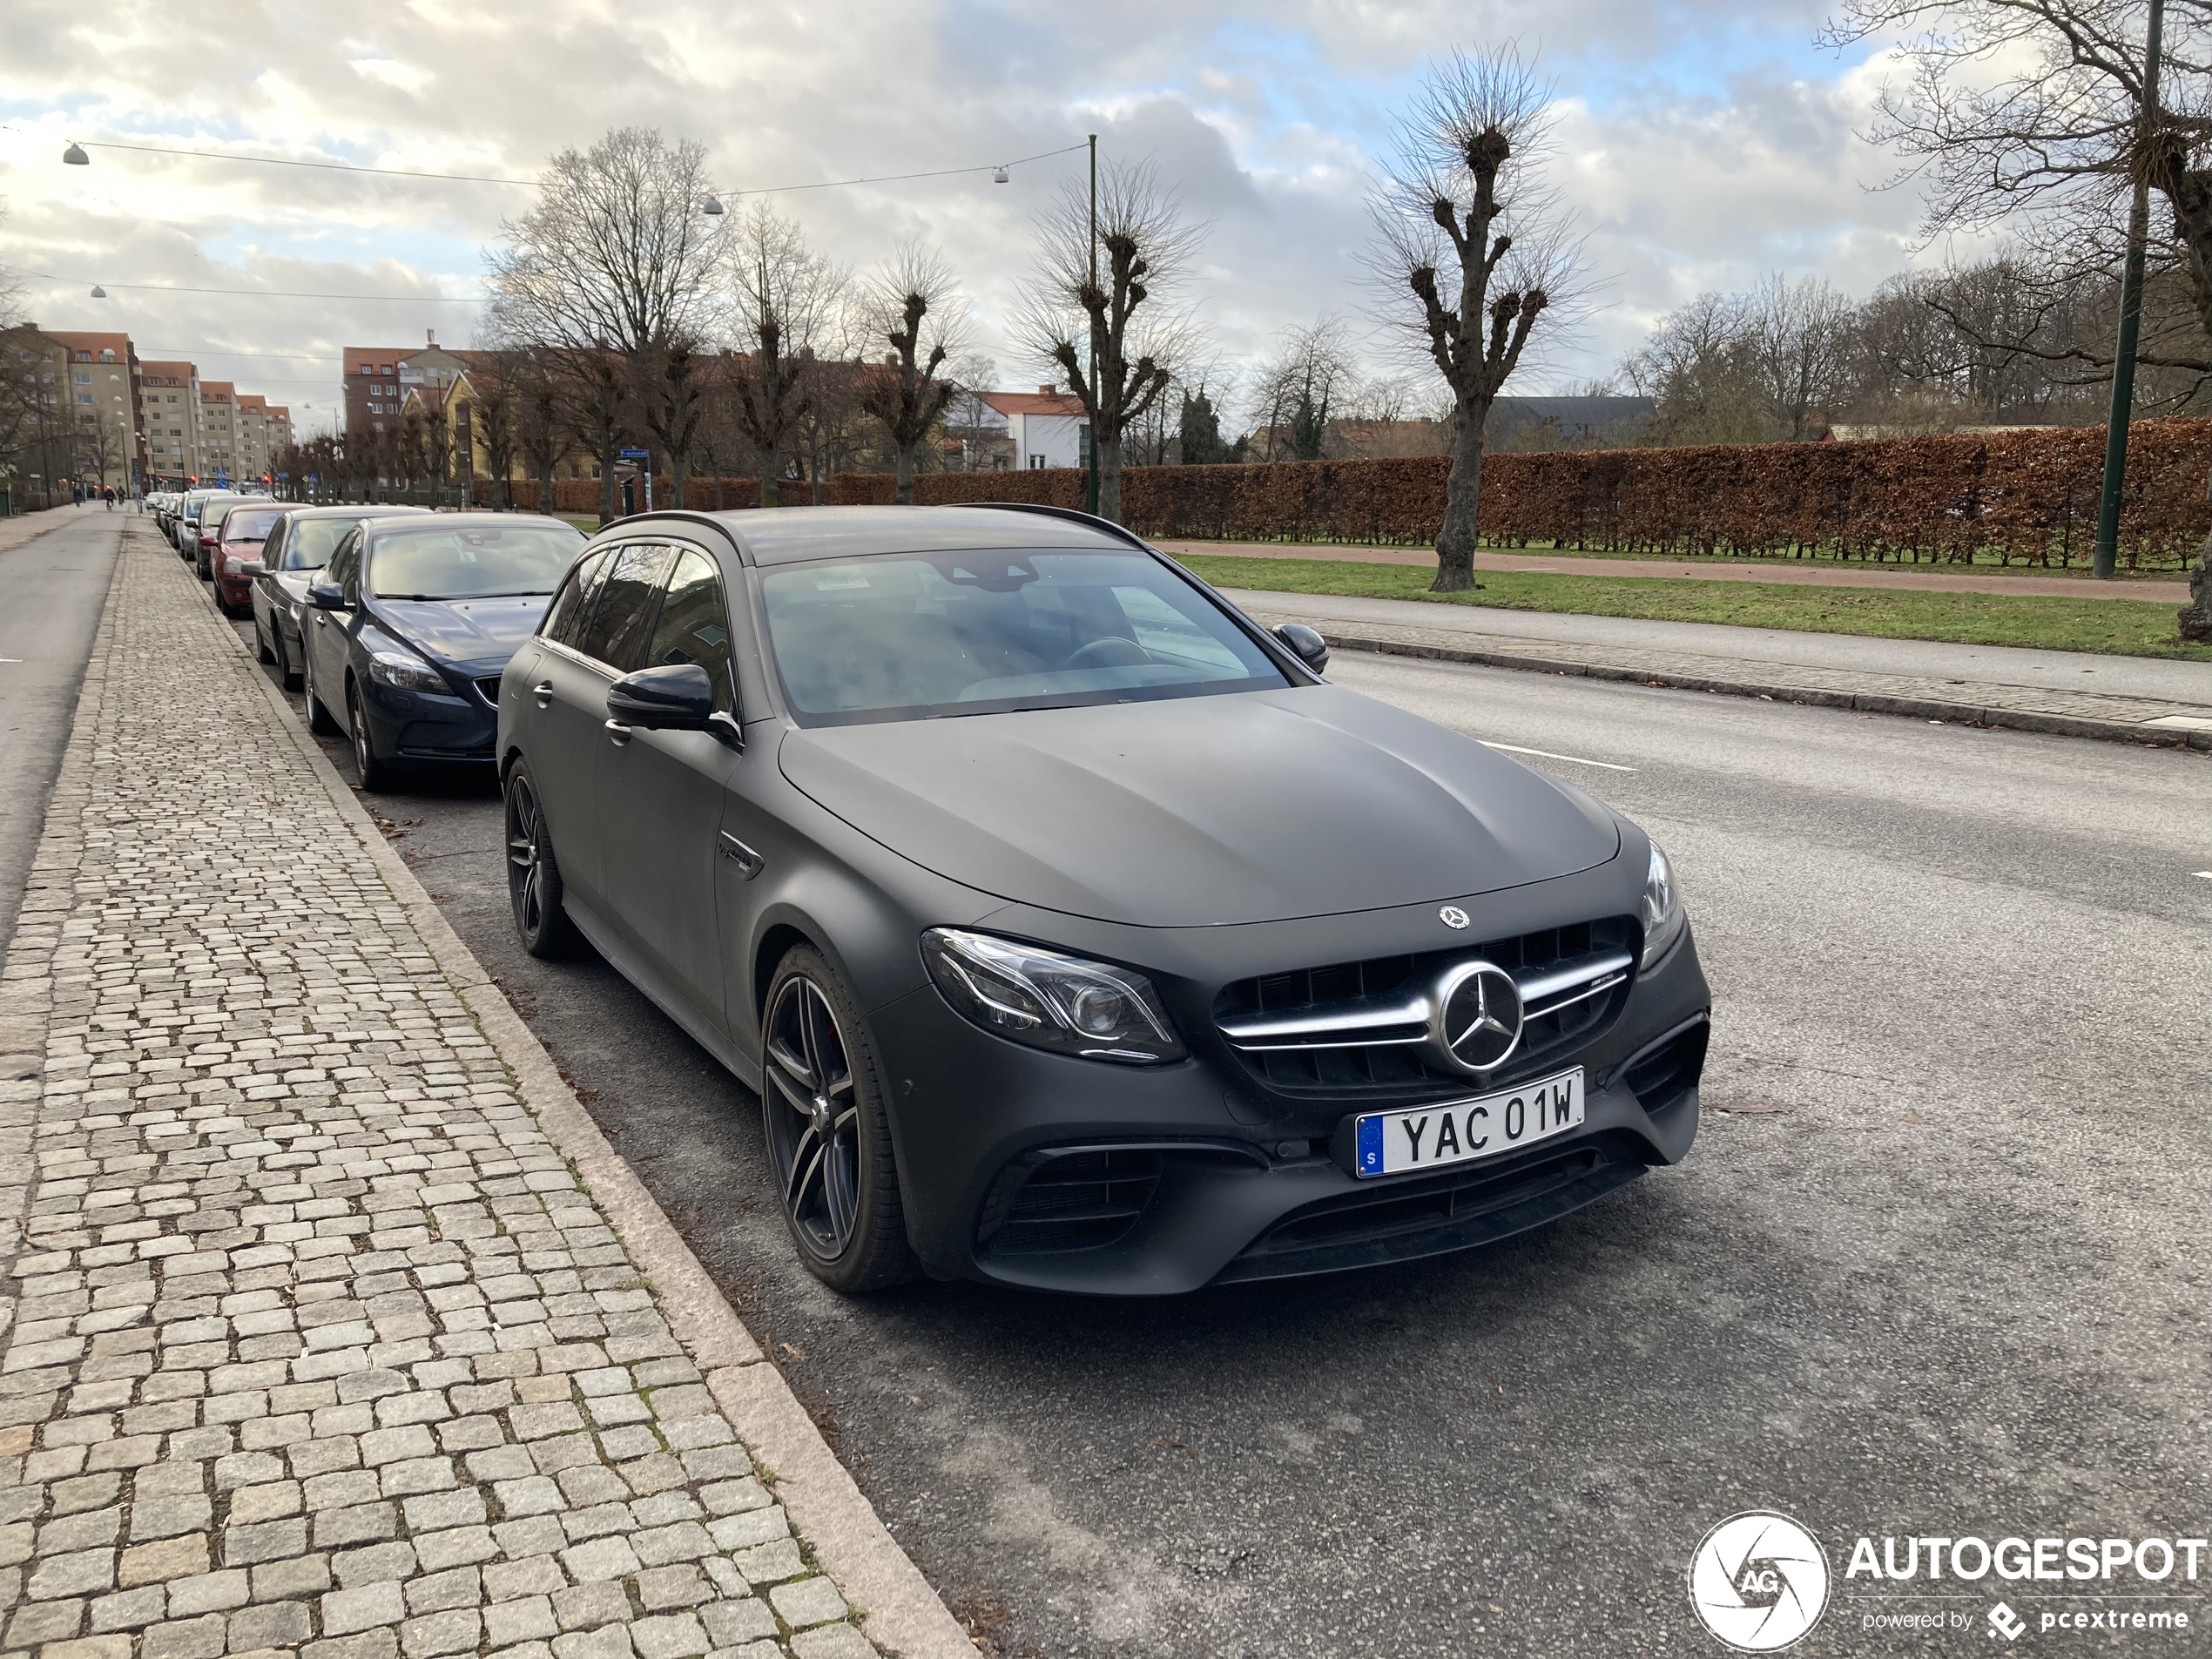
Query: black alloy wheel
column 374, row 772
column 533, row 874
column 827, row 1141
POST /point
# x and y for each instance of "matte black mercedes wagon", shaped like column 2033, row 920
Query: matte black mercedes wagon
column 1076, row 932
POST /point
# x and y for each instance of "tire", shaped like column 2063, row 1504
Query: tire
column 534, row 886
column 376, row 772
column 261, row 652
column 288, row 676
column 828, row 1142
column 319, row 718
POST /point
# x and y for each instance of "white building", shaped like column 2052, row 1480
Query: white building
column 1045, row 427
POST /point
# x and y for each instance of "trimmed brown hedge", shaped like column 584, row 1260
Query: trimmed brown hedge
column 2022, row 498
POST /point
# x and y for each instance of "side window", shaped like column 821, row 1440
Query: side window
column 572, row 607
column 272, row 553
column 344, row 567
column 623, row 618
column 694, row 626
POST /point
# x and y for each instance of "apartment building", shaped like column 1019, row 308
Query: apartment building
column 102, row 398
column 222, row 441
column 372, row 390
column 169, row 395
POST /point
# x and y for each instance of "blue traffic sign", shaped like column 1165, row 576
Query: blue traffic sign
column 636, row 454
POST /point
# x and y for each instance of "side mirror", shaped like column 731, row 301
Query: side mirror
column 252, row 568
column 326, row 595
column 1306, row 646
column 679, row 698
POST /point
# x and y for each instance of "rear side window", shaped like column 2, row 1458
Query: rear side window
column 572, row 607
column 694, row 625
column 623, row 623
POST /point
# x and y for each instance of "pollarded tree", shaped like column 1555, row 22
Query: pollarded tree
column 783, row 298
column 1472, row 254
column 913, row 304
column 1119, row 295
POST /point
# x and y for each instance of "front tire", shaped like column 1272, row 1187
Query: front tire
column 375, row 772
column 828, row 1141
column 534, row 886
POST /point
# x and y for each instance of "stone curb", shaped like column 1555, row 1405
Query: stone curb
column 1964, row 713
column 897, row 1610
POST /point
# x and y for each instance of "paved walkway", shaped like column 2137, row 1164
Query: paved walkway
column 2145, row 700
column 322, row 1346
column 1905, row 577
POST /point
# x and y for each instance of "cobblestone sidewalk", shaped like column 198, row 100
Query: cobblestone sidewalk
column 321, row 1347
column 2026, row 708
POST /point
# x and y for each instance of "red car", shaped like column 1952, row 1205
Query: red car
column 236, row 558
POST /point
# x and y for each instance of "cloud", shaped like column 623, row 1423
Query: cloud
column 1702, row 143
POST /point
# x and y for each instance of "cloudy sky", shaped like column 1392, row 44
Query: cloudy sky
column 1701, row 144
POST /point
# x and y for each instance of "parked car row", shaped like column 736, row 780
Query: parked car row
column 1076, row 932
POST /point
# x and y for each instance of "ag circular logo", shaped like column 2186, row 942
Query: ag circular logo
column 1452, row 916
column 1477, row 1023
column 1759, row 1581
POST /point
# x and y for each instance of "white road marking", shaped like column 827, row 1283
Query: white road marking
column 1546, row 754
column 2204, row 875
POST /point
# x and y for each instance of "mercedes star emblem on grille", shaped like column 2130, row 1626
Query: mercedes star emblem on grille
column 1452, row 916
column 1477, row 1023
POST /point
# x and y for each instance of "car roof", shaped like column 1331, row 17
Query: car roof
column 790, row 535
column 481, row 521
column 357, row 510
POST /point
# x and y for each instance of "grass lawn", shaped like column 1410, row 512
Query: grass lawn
column 2126, row 627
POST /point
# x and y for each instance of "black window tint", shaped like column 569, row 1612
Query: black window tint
column 623, row 618
column 694, row 625
column 564, row 618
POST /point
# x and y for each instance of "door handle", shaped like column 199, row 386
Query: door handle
column 749, row 862
column 543, row 693
column 618, row 731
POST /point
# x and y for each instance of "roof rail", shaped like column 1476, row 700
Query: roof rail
column 1118, row 531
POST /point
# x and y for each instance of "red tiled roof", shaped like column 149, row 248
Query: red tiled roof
column 1033, row 402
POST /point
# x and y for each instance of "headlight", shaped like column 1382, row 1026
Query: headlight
column 389, row 668
column 1661, row 912
column 1049, row 1001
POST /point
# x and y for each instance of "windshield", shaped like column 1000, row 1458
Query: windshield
column 919, row 635
column 453, row 561
column 310, row 541
column 249, row 524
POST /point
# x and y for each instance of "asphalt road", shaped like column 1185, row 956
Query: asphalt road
column 51, row 588
column 1936, row 1264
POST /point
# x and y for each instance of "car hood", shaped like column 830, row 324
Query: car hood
column 1204, row 810
column 476, row 635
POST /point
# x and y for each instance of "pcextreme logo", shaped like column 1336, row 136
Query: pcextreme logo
column 1759, row 1581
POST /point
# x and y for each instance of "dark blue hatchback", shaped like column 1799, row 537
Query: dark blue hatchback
column 412, row 625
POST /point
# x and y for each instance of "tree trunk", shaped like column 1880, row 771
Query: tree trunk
column 906, row 490
column 1455, row 541
column 2196, row 616
column 772, row 468
column 607, row 496
column 676, row 468
column 1110, row 478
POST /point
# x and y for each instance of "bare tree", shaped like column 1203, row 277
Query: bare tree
column 1465, row 225
column 1306, row 385
column 2034, row 113
column 1799, row 335
column 968, row 417
column 498, row 385
column 915, row 303
column 1117, row 297
column 784, row 297
column 613, row 267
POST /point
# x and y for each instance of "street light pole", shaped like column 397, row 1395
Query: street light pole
column 2131, row 309
column 1090, row 484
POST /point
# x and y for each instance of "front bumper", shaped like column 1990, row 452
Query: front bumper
column 429, row 727
column 1031, row 1168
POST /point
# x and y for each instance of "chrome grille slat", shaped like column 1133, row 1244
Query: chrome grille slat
column 1361, row 1028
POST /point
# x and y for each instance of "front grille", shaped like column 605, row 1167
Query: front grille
column 1360, row 1029
column 1077, row 1200
column 488, row 689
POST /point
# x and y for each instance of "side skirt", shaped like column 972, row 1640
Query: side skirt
column 626, row 964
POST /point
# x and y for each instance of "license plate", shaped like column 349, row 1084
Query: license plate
column 1460, row 1131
